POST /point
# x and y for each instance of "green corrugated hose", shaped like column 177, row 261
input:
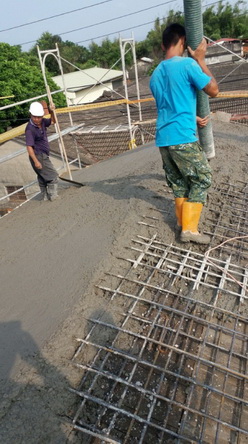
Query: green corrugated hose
column 194, row 35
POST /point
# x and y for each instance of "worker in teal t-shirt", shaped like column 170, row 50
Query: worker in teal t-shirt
column 174, row 84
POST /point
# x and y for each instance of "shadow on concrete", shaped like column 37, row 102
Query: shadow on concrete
column 28, row 386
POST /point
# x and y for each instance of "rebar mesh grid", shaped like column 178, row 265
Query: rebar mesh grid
column 227, row 218
column 169, row 363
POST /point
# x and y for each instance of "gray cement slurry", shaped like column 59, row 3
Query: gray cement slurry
column 53, row 254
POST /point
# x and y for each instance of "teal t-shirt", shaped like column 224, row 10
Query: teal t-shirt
column 174, row 84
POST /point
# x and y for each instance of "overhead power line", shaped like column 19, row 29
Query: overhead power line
column 211, row 4
column 54, row 16
column 104, row 35
column 106, row 21
column 128, row 29
column 133, row 27
column 117, row 18
column 117, row 32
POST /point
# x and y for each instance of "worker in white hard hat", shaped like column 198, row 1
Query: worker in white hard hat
column 38, row 149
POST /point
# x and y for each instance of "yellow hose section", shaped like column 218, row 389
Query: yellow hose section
column 15, row 132
column 130, row 102
column 6, row 97
column 100, row 105
column 232, row 94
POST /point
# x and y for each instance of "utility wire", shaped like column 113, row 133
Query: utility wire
column 106, row 21
column 54, row 16
column 211, row 4
column 116, row 32
column 132, row 27
column 117, row 18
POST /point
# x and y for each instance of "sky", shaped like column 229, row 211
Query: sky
column 138, row 20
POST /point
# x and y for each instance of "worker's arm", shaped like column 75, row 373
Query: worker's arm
column 198, row 55
column 31, row 153
column 49, row 109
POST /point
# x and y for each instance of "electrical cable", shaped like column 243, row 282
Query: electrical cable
column 54, row 16
column 122, row 30
column 106, row 21
column 117, row 32
column 109, row 20
column 116, row 18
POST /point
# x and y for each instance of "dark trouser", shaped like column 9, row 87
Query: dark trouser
column 47, row 174
column 187, row 171
column 47, row 177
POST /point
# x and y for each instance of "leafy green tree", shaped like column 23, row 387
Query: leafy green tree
column 108, row 53
column 219, row 21
column 73, row 53
column 211, row 25
column 20, row 77
column 225, row 20
column 143, row 49
column 89, row 64
column 45, row 42
column 69, row 51
column 154, row 37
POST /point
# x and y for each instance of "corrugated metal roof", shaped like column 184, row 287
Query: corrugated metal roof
column 87, row 77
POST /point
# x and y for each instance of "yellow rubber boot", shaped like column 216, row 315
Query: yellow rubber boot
column 178, row 210
column 190, row 218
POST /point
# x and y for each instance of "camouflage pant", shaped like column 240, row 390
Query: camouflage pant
column 187, row 171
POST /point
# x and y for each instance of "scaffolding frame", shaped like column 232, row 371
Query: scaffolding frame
column 123, row 44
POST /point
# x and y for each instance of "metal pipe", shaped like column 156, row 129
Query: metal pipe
column 194, row 35
column 29, row 100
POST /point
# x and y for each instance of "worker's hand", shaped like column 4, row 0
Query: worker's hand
column 38, row 165
column 52, row 107
column 199, row 53
column 45, row 107
column 43, row 103
column 202, row 121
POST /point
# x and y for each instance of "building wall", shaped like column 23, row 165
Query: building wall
column 221, row 59
column 217, row 54
column 89, row 95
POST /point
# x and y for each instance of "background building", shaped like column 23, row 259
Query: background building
column 87, row 85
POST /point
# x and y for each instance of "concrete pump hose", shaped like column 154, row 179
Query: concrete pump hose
column 194, row 35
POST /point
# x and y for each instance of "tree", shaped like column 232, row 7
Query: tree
column 211, row 25
column 154, row 37
column 223, row 20
column 20, row 77
column 45, row 42
column 226, row 21
column 73, row 53
column 108, row 53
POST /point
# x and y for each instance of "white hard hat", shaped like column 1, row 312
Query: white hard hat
column 36, row 109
